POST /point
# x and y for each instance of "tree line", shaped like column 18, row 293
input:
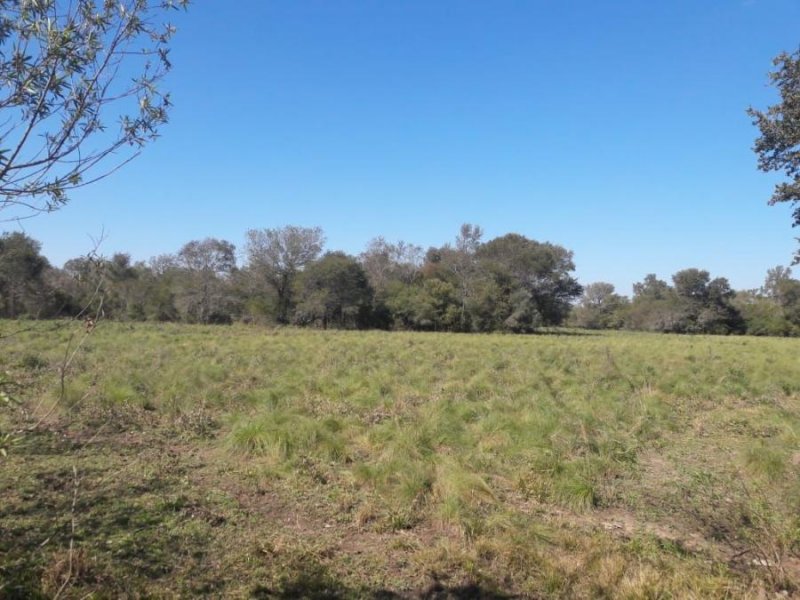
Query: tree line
column 695, row 303
column 510, row 283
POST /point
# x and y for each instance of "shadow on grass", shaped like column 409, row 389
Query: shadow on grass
column 567, row 332
column 314, row 582
column 132, row 527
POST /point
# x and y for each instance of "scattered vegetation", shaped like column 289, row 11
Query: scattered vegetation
column 247, row 461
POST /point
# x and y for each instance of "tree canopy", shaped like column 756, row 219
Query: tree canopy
column 277, row 255
column 21, row 270
column 778, row 146
column 507, row 284
column 80, row 93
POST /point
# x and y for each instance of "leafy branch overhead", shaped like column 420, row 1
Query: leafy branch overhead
column 778, row 147
column 79, row 93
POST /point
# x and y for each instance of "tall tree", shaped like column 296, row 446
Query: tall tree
column 430, row 305
column 777, row 280
column 696, row 304
column 206, row 265
column 69, row 70
column 762, row 315
column 458, row 265
column 277, row 255
column 534, row 278
column 651, row 287
column 158, row 282
column 333, row 292
column 389, row 267
column 21, row 274
column 385, row 262
column 123, row 298
column 654, row 306
column 719, row 314
column 692, row 285
column 778, row 147
column 599, row 307
column 784, row 290
column 464, row 264
column 84, row 283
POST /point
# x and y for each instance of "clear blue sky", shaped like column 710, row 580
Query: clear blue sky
column 617, row 129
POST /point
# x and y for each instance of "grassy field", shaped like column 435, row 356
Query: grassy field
column 248, row 462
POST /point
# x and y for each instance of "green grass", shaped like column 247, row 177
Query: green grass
column 247, row 461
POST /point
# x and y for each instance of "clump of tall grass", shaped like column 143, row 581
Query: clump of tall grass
column 576, row 492
column 766, row 461
column 462, row 496
column 283, row 435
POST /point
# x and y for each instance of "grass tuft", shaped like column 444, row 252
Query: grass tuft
column 281, row 436
column 234, row 462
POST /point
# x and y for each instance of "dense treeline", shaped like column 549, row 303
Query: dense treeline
column 694, row 303
column 510, row 283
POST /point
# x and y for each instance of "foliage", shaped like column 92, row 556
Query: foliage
column 389, row 266
column 22, row 269
column 534, row 276
column 333, row 291
column 68, row 69
column 204, row 268
column 775, row 308
column 385, row 262
column 599, row 307
column 469, row 286
column 695, row 304
column 778, row 146
column 510, row 283
column 275, row 256
column 430, row 305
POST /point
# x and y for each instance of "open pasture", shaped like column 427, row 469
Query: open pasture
column 250, row 462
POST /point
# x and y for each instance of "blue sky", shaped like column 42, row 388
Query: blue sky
column 616, row 129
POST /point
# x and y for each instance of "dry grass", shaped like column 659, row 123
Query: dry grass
column 244, row 461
